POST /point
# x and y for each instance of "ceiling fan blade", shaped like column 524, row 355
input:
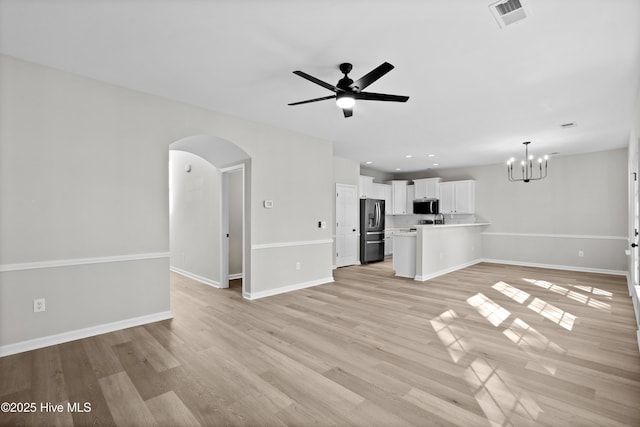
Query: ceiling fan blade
column 348, row 112
column 370, row 96
column 371, row 77
column 313, row 100
column 317, row 81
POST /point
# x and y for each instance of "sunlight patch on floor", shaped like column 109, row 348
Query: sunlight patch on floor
column 576, row 296
column 533, row 342
column 451, row 336
column 500, row 400
column 514, row 293
column 491, row 311
column 553, row 313
column 595, row 291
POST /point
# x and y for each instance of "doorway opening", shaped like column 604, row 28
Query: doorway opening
column 232, row 227
column 208, row 218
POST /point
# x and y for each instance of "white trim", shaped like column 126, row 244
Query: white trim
column 289, row 288
column 81, row 261
column 447, row 270
column 236, row 276
column 77, row 334
column 555, row 236
column 291, row 244
column 522, row 264
column 556, row 267
column 196, row 277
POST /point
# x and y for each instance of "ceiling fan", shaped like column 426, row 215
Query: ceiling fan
column 347, row 91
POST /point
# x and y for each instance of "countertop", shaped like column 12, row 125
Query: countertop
column 407, row 230
column 473, row 224
column 405, row 234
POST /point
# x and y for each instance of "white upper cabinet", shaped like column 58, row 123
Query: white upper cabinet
column 366, row 187
column 383, row 191
column 458, row 197
column 378, row 191
column 399, row 197
column 411, row 196
column 427, row 188
column 388, row 201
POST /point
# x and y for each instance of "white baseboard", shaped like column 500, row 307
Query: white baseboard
column 522, row 264
column 196, row 277
column 447, row 270
column 50, row 340
column 284, row 289
column 556, row 267
column 236, row 276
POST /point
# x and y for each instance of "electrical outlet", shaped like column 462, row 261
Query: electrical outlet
column 39, row 305
column 580, row 253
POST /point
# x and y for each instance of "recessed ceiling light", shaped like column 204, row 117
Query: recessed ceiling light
column 431, row 155
column 367, row 163
column 408, row 156
column 436, row 164
column 398, row 169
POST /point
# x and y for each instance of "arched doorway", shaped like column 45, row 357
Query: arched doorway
column 206, row 173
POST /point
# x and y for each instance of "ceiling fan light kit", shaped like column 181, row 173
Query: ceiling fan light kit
column 345, row 101
column 527, row 167
column 347, row 91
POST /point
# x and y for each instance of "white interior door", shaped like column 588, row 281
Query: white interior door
column 346, row 225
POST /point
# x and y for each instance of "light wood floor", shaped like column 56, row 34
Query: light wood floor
column 487, row 345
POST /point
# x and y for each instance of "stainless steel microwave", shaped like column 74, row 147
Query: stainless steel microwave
column 426, row 206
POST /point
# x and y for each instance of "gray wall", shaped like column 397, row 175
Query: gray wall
column 581, row 206
column 84, row 187
column 194, row 215
column 378, row 176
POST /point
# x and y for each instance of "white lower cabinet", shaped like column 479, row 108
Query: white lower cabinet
column 404, row 256
column 388, row 243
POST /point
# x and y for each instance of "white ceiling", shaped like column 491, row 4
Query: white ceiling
column 476, row 91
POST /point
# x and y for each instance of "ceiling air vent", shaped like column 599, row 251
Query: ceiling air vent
column 510, row 11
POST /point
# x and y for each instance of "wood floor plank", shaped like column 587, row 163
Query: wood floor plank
column 82, row 386
column 489, row 344
column 125, row 404
column 139, row 370
column 168, row 410
column 16, row 374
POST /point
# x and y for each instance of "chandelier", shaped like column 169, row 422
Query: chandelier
column 527, row 167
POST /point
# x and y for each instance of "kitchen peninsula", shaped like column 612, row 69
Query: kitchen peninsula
column 433, row 250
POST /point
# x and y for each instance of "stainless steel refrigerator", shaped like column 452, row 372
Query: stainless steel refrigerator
column 371, row 230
